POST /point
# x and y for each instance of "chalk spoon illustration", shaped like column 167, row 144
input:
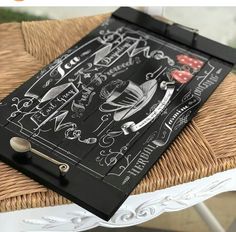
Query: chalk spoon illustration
column 21, row 145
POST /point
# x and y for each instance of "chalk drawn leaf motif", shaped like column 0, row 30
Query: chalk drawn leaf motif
column 21, row 105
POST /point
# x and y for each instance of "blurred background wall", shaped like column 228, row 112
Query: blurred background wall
column 218, row 23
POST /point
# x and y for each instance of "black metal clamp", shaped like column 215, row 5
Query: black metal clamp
column 182, row 34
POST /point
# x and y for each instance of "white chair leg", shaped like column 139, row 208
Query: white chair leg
column 209, row 218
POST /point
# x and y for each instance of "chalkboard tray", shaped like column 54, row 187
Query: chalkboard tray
column 100, row 115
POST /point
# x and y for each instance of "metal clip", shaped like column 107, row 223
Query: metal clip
column 182, row 34
column 195, row 31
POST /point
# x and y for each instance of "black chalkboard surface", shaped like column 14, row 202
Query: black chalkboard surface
column 95, row 120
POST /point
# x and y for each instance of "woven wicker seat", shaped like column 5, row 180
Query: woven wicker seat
column 205, row 147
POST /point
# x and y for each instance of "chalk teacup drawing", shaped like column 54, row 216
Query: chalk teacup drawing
column 126, row 98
